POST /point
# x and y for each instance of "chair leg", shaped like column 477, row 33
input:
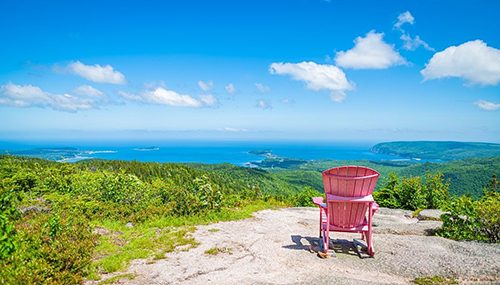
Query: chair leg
column 320, row 222
column 369, row 244
column 326, row 242
column 369, row 233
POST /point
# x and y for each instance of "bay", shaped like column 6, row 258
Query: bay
column 234, row 152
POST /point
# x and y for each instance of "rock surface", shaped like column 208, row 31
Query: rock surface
column 430, row 214
column 280, row 247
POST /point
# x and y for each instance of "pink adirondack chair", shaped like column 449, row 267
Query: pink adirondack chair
column 349, row 203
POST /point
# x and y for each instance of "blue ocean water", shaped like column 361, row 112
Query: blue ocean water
column 238, row 153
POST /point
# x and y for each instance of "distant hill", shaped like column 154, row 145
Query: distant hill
column 468, row 176
column 439, row 150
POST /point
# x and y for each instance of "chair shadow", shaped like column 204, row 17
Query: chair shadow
column 339, row 246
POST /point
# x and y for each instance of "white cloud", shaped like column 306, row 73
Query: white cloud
column 369, row 52
column 87, row 90
column 208, row 100
column 130, row 96
column 404, row 18
column 205, row 86
column 97, row 73
column 316, row 76
column 33, row 96
column 230, row 88
column 233, row 130
column 262, row 88
column 163, row 96
column 262, row 104
column 410, row 43
column 23, row 96
column 486, row 105
column 473, row 61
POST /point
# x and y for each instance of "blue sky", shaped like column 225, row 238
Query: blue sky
column 299, row 70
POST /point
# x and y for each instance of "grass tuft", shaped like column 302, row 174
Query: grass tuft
column 112, row 280
column 217, row 250
column 435, row 280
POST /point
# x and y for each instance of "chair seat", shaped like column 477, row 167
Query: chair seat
column 357, row 229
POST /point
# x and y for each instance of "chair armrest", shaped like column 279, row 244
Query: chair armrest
column 360, row 199
column 319, row 202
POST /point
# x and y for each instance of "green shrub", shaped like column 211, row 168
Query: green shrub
column 8, row 215
column 53, row 249
column 488, row 212
column 411, row 193
column 436, row 191
column 467, row 219
column 460, row 221
column 304, row 197
column 209, row 197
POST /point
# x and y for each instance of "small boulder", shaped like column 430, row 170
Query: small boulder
column 430, row 214
column 101, row 231
column 33, row 208
column 129, row 225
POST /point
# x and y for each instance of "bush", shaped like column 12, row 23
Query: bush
column 460, row 222
column 53, row 249
column 411, row 193
column 208, row 195
column 436, row 191
column 488, row 211
column 304, row 197
column 467, row 219
column 8, row 215
column 388, row 196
